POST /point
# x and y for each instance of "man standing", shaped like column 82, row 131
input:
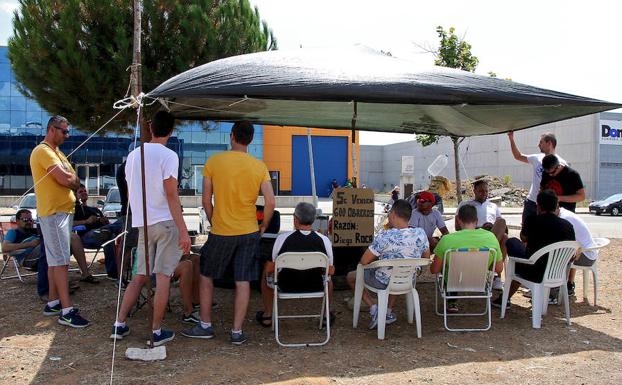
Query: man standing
column 54, row 182
column 565, row 181
column 427, row 217
column 234, row 178
column 22, row 242
column 167, row 234
column 547, row 145
column 97, row 229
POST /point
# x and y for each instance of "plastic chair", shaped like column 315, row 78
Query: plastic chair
column 468, row 276
column 301, row 261
column 555, row 275
column 8, row 258
column 401, row 282
column 598, row 244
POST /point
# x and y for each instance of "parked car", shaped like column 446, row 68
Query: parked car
column 611, row 205
column 111, row 207
column 27, row 202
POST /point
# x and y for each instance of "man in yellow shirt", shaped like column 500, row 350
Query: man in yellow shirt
column 54, row 181
column 234, row 178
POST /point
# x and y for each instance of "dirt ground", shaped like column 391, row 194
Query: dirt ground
column 35, row 349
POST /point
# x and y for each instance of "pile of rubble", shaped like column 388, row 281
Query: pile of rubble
column 501, row 190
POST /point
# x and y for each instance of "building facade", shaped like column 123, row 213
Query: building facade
column 591, row 144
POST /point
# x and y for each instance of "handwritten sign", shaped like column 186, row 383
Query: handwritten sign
column 353, row 217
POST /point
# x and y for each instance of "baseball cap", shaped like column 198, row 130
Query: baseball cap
column 427, row 196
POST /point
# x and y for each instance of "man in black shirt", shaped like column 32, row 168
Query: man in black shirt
column 94, row 229
column 562, row 179
column 544, row 229
column 303, row 239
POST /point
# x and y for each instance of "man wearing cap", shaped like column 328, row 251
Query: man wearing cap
column 427, row 217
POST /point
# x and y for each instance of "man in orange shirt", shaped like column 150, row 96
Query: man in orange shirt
column 234, row 178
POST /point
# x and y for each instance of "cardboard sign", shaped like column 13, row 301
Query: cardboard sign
column 353, row 217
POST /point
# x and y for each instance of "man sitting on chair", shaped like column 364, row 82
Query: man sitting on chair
column 542, row 230
column 427, row 217
column 94, row 229
column 400, row 241
column 23, row 241
column 302, row 239
column 468, row 237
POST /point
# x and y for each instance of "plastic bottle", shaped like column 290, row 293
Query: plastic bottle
column 438, row 165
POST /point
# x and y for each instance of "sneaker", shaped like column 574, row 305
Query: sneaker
column 497, row 284
column 190, row 318
column 118, row 332
column 373, row 323
column 73, row 319
column 391, row 317
column 553, row 300
column 198, row 332
column 452, row 307
column 164, row 337
column 570, row 286
column 497, row 303
column 54, row 310
column 238, row 338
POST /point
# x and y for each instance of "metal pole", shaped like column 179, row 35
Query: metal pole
column 354, row 178
column 312, row 168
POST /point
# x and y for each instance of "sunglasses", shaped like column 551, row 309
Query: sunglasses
column 551, row 171
column 26, row 219
column 64, row 130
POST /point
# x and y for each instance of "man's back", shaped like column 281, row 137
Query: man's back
column 236, row 179
column 467, row 238
column 581, row 231
column 161, row 163
column 302, row 241
column 546, row 229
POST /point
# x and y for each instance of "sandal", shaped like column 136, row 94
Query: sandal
column 90, row 279
column 265, row 321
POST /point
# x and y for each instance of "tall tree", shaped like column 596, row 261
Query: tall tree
column 453, row 52
column 72, row 56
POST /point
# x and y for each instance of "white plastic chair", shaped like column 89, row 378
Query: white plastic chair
column 468, row 277
column 555, row 275
column 401, row 282
column 301, row 261
column 598, row 244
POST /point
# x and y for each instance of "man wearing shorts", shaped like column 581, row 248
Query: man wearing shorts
column 167, row 234
column 400, row 241
column 54, row 182
column 234, row 178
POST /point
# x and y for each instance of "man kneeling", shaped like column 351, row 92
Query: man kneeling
column 302, row 239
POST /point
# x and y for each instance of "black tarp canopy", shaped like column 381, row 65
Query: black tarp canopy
column 318, row 88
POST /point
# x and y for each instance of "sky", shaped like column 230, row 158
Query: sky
column 568, row 46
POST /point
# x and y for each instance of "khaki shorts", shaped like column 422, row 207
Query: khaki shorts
column 164, row 251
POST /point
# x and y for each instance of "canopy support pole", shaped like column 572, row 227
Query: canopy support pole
column 354, row 116
column 312, row 168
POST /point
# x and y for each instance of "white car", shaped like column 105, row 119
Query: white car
column 27, row 202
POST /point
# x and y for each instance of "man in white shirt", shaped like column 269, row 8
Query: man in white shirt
column 584, row 237
column 167, row 234
column 488, row 217
column 547, row 145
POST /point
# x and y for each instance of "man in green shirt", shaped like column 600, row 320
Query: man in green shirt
column 468, row 237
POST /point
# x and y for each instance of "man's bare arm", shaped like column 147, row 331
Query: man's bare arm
column 269, row 204
column 9, row 247
column 515, row 151
column 368, row 257
column 64, row 178
column 174, row 205
column 579, row 196
column 206, row 199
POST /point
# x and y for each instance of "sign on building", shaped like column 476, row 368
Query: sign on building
column 408, row 165
column 611, row 132
column 353, row 217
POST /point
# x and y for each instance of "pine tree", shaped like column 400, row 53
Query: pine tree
column 72, row 56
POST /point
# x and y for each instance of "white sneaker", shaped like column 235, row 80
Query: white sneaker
column 497, row 284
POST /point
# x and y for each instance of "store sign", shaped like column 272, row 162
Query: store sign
column 408, row 165
column 611, row 132
column 353, row 217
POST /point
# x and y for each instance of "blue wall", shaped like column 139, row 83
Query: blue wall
column 330, row 161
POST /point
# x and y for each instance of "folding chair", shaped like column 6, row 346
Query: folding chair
column 101, row 247
column 9, row 258
column 465, row 275
column 301, row 261
column 401, row 282
column 598, row 244
column 555, row 275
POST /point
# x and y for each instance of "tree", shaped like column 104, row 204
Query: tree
column 72, row 56
column 453, row 52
